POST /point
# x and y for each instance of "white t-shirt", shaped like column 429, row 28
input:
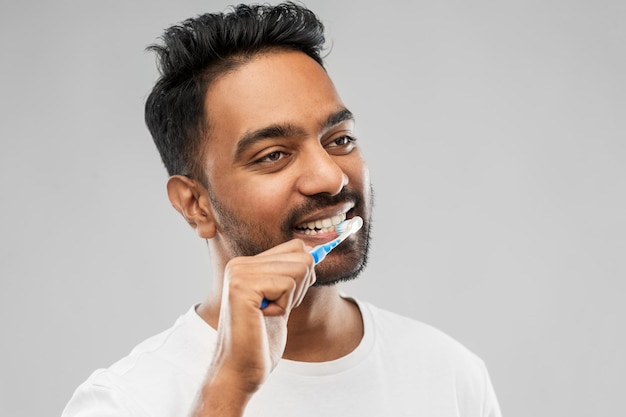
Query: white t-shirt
column 401, row 368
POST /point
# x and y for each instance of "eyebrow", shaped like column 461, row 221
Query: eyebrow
column 287, row 130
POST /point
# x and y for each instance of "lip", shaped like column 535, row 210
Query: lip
column 315, row 240
column 327, row 213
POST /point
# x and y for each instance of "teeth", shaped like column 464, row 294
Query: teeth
column 322, row 226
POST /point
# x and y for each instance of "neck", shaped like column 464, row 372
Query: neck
column 323, row 328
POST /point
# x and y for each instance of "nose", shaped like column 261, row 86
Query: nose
column 320, row 173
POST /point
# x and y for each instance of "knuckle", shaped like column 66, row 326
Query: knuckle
column 233, row 269
column 284, row 283
column 298, row 244
column 308, row 260
column 306, row 270
column 235, row 276
column 236, row 285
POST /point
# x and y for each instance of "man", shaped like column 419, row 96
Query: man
column 263, row 164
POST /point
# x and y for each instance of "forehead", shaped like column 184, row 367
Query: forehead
column 274, row 88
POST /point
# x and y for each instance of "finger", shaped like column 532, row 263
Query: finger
column 293, row 245
column 251, row 282
column 303, row 288
column 280, row 291
column 297, row 287
column 304, row 278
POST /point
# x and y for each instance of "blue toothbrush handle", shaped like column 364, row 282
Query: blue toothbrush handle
column 319, row 253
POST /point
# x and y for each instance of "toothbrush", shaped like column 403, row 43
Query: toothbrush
column 345, row 229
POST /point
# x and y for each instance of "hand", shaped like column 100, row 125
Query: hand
column 251, row 341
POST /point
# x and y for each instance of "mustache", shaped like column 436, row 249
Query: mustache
column 321, row 201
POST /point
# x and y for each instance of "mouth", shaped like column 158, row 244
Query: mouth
column 321, row 226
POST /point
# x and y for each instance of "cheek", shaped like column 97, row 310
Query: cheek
column 261, row 197
column 359, row 181
column 358, row 175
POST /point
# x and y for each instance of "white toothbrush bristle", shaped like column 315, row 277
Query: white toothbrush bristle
column 350, row 226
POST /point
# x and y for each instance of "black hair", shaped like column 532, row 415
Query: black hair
column 197, row 51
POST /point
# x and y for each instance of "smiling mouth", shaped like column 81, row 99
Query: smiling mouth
column 327, row 225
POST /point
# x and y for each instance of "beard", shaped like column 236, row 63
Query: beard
column 344, row 263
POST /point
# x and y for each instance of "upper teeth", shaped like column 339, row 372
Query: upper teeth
column 323, row 225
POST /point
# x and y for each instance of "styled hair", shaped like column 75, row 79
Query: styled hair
column 197, row 51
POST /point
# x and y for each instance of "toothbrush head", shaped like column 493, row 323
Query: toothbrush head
column 350, row 226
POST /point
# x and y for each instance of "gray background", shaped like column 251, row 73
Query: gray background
column 495, row 133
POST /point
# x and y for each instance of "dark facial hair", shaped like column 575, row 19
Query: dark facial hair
column 354, row 253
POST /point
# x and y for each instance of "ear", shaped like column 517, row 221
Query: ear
column 191, row 199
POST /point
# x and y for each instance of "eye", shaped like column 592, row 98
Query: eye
column 342, row 141
column 342, row 144
column 271, row 158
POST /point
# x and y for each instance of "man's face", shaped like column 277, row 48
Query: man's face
column 282, row 162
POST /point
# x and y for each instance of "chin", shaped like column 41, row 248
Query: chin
column 341, row 268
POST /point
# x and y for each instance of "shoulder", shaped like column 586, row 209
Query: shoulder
column 152, row 375
column 178, row 348
column 407, row 328
column 419, row 342
column 422, row 356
